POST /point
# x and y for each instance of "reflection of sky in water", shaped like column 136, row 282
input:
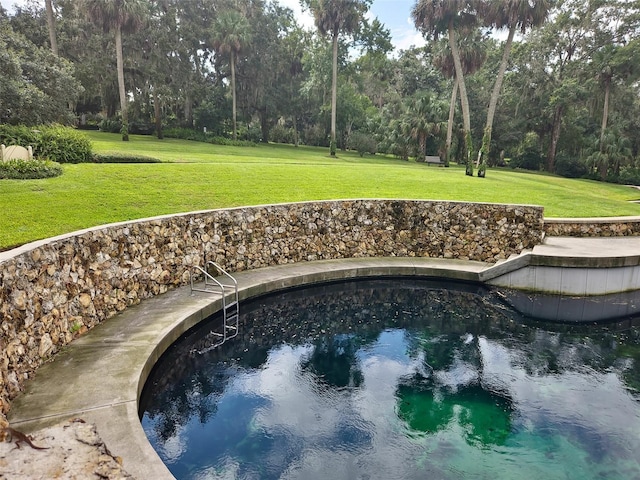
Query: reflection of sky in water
column 288, row 418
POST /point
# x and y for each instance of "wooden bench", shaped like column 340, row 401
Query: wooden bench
column 15, row 152
column 433, row 159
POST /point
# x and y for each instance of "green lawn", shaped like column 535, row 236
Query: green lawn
column 197, row 176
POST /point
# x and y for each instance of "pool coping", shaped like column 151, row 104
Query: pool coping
column 99, row 377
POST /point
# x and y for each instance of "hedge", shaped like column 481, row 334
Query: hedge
column 29, row 169
column 52, row 142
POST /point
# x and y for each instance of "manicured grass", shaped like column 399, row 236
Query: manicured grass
column 210, row 176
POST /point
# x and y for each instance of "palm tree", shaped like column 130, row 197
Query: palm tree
column 231, row 33
column 614, row 62
column 333, row 17
column 514, row 15
column 425, row 121
column 436, row 17
column 294, row 46
column 609, row 152
column 120, row 16
column 472, row 56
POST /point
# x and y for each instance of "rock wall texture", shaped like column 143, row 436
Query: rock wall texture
column 54, row 290
column 593, row 227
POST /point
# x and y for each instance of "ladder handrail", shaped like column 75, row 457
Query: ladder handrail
column 207, row 276
column 233, row 316
column 231, row 311
column 227, row 275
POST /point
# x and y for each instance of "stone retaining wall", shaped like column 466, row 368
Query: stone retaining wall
column 593, row 227
column 54, row 290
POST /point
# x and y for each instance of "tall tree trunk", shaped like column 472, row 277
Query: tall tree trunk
column 555, row 136
column 157, row 113
column 603, row 165
column 605, row 110
column 264, row 125
column 188, row 108
column 452, row 112
column 121, row 88
column 493, row 103
column 51, row 25
column 466, row 116
column 233, row 94
column 296, row 140
column 334, row 94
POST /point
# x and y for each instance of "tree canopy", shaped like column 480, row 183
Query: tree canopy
column 555, row 79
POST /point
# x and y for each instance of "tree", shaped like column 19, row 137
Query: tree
column 272, row 67
column 426, row 121
column 333, row 17
column 118, row 16
column 36, row 85
column 51, row 24
column 514, row 15
column 610, row 151
column 374, row 67
column 435, row 17
column 473, row 54
column 231, row 33
column 615, row 61
column 295, row 44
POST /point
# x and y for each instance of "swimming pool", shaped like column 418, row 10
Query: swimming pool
column 397, row 378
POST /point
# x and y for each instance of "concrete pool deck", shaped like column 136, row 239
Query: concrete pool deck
column 99, row 377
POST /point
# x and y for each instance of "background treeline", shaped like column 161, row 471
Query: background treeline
column 246, row 71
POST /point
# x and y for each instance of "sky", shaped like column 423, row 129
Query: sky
column 394, row 14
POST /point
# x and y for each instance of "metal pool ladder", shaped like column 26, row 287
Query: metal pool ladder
column 223, row 285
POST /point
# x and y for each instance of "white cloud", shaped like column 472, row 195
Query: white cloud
column 404, row 38
column 304, row 18
column 9, row 4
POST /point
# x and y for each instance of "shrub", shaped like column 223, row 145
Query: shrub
column 29, row 169
column 527, row 161
column 281, row 134
column 141, row 128
column 185, row 134
column 117, row 157
column 629, row 176
column 56, row 143
column 316, row 136
column 63, row 145
column 110, row 125
column 251, row 133
column 570, row 167
column 362, row 143
column 18, row 135
column 189, row 134
column 528, row 155
column 230, row 142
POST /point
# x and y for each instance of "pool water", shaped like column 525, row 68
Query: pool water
column 397, row 379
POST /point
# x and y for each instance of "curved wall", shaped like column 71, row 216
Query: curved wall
column 593, row 227
column 53, row 290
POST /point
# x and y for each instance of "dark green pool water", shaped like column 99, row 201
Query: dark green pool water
column 401, row 379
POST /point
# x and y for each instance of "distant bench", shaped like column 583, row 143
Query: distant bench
column 433, row 159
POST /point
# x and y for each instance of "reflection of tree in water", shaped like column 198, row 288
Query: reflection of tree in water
column 447, row 389
column 553, row 349
column 172, row 405
column 629, row 354
column 485, row 417
column 338, row 320
column 333, row 361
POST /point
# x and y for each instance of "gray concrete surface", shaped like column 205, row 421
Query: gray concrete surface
column 572, row 267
